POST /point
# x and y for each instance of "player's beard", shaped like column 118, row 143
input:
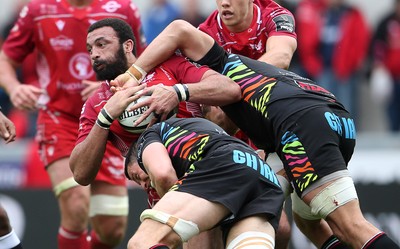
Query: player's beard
column 113, row 68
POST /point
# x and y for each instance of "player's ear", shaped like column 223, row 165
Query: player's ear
column 128, row 46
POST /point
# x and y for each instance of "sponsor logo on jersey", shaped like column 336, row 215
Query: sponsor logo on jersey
column 111, row 6
column 80, row 66
column 61, row 42
column 48, row 9
column 284, row 23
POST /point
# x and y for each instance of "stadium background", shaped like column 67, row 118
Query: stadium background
column 375, row 168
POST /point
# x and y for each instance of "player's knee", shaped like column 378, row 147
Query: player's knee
column 109, row 216
column 74, row 205
column 111, row 232
column 283, row 233
column 184, row 228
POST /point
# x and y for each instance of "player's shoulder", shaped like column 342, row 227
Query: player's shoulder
column 210, row 23
column 102, row 93
column 271, row 8
column 40, row 7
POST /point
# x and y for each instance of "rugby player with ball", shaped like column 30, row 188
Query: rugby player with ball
column 111, row 45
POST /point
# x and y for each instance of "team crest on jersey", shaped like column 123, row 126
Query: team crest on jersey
column 111, row 6
column 258, row 46
column 149, row 78
column 80, row 66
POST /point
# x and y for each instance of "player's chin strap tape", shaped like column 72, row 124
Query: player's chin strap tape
column 185, row 229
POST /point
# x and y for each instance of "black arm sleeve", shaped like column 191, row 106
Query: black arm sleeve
column 215, row 58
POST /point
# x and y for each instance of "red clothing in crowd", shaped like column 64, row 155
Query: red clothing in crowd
column 350, row 51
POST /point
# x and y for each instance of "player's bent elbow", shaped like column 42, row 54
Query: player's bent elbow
column 236, row 93
column 79, row 177
column 180, row 28
column 83, row 181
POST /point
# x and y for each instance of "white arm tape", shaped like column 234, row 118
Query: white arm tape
column 185, row 229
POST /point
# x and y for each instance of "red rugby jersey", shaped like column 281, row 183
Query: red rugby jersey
column 58, row 31
column 175, row 70
column 269, row 19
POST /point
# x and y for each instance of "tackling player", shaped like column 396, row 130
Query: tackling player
column 206, row 178
column 312, row 132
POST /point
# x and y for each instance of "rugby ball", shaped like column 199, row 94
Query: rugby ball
column 127, row 118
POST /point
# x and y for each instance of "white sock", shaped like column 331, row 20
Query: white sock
column 9, row 240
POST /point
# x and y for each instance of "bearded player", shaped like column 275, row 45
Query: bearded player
column 111, row 45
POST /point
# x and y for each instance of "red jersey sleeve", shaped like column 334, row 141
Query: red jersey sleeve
column 183, row 70
column 87, row 119
column 278, row 20
column 20, row 41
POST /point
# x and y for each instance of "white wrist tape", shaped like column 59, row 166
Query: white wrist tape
column 141, row 71
column 185, row 229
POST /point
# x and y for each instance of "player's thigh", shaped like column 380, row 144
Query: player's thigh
column 204, row 213
column 105, row 188
column 211, row 239
column 314, row 144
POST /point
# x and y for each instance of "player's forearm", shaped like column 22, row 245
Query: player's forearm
column 280, row 60
column 279, row 51
column 8, row 76
column 215, row 90
column 86, row 158
column 177, row 35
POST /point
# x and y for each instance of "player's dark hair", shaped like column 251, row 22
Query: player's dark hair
column 130, row 157
column 122, row 28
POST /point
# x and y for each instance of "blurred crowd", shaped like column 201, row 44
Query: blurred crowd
column 337, row 47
